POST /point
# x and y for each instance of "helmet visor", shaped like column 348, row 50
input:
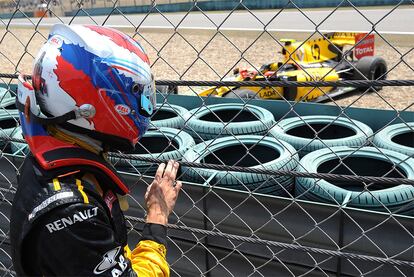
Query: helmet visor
column 146, row 96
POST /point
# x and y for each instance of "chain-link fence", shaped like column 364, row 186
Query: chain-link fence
column 273, row 186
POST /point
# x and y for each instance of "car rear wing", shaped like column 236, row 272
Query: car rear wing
column 364, row 45
column 328, row 47
column 364, row 42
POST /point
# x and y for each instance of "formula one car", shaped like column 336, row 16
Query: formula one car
column 324, row 59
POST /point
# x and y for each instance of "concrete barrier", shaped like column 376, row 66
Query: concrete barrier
column 230, row 5
column 16, row 15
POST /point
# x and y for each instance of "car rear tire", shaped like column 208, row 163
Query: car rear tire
column 371, row 68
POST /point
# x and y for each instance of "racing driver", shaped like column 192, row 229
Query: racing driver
column 92, row 91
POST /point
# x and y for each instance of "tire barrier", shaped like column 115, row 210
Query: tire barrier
column 168, row 115
column 165, row 143
column 366, row 161
column 265, row 152
column 7, row 100
column 8, row 123
column 398, row 137
column 18, row 148
column 313, row 132
column 220, row 120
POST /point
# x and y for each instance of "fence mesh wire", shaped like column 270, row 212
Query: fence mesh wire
column 232, row 223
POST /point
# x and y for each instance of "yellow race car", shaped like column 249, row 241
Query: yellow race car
column 326, row 59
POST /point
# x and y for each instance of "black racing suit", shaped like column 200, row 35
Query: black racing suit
column 62, row 225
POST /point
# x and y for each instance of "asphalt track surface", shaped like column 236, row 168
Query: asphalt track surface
column 384, row 20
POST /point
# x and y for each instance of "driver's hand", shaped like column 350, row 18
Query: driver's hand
column 162, row 194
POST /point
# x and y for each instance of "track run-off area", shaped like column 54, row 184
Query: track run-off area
column 386, row 20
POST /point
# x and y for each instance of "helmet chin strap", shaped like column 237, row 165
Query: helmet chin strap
column 84, row 111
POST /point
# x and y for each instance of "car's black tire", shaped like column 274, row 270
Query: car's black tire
column 164, row 143
column 290, row 93
column 212, row 121
column 265, row 152
column 242, row 93
column 168, row 115
column 367, row 161
column 341, row 132
column 163, row 89
column 371, row 68
column 398, row 137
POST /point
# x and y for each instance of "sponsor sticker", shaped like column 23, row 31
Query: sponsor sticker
column 49, row 201
column 64, row 222
column 122, row 109
column 112, row 259
column 365, row 45
column 56, row 41
column 300, row 54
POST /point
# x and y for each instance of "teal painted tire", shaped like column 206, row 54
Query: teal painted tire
column 268, row 153
column 213, row 121
column 341, row 131
column 165, row 144
column 366, row 161
column 9, row 123
column 398, row 137
column 7, row 99
column 168, row 115
column 18, row 148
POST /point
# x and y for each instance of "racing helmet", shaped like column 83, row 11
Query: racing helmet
column 92, row 80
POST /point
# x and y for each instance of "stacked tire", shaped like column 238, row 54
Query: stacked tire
column 8, row 123
column 366, row 161
column 165, row 143
column 168, row 115
column 310, row 133
column 246, row 151
column 7, row 99
column 214, row 121
column 398, row 137
column 18, row 148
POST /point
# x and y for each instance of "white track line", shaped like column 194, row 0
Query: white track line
column 154, row 28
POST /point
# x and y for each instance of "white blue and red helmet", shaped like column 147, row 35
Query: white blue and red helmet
column 91, row 80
